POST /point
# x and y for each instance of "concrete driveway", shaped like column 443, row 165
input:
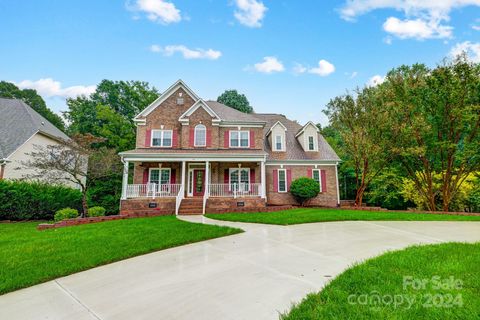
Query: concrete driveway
column 253, row 275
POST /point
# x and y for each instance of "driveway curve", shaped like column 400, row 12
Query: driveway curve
column 253, row 275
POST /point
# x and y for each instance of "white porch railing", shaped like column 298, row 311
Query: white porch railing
column 153, row 190
column 234, row 190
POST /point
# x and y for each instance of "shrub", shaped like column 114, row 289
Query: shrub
column 66, row 213
column 96, row 212
column 21, row 200
column 304, row 189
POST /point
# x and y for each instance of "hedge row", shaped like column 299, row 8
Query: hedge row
column 21, row 200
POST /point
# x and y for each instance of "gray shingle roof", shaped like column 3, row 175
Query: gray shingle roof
column 294, row 150
column 230, row 114
column 18, row 122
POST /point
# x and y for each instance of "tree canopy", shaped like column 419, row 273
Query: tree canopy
column 31, row 97
column 235, row 100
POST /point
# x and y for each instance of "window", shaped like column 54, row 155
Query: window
column 239, row 179
column 282, row 180
column 160, row 176
column 239, row 139
column 316, row 175
column 200, row 136
column 311, row 143
column 162, row 138
column 278, row 143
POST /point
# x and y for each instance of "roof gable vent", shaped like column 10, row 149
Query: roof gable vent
column 180, row 100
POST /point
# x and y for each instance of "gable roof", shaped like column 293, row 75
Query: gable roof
column 278, row 123
column 174, row 87
column 309, row 123
column 18, row 123
column 199, row 104
column 294, row 150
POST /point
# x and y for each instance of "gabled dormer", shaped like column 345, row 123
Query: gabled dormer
column 276, row 136
column 307, row 136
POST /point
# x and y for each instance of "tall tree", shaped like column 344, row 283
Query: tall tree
column 75, row 160
column 434, row 120
column 235, row 100
column 359, row 120
column 31, row 97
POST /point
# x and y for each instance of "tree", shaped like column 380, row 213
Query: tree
column 304, row 189
column 359, row 119
column 75, row 160
column 235, row 100
column 434, row 121
column 31, row 97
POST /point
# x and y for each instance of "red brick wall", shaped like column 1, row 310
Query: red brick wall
column 328, row 198
column 140, row 206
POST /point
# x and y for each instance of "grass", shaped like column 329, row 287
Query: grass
column 29, row 257
column 384, row 277
column 307, row 215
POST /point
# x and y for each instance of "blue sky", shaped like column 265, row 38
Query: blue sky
column 288, row 57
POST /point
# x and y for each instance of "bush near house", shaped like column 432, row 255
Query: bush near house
column 20, row 200
column 304, row 189
column 96, row 211
column 67, row 213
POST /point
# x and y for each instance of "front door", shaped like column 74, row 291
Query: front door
column 198, row 182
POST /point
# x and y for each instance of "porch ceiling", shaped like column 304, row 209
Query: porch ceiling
column 155, row 154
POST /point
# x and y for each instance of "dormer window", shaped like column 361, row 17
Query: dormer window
column 200, row 136
column 278, row 143
column 311, row 143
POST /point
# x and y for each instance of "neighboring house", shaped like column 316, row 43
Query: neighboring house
column 194, row 156
column 22, row 128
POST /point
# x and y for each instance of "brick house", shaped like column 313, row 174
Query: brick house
column 196, row 156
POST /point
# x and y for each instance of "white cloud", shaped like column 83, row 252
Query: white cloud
column 324, row 68
column 158, row 10
column 250, row 12
column 354, row 74
column 471, row 49
column 424, row 19
column 417, row 29
column 299, row 68
column 269, row 65
column 186, row 52
column 47, row 87
column 375, row 80
column 476, row 28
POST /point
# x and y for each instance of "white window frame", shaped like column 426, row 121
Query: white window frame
column 159, row 175
column 281, row 142
column 230, row 170
column 278, row 180
column 319, row 177
column 238, row 139
column 314, row 144
column 162, row 132
column 195, row 144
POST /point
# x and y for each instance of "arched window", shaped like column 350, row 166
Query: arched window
column 200, row 135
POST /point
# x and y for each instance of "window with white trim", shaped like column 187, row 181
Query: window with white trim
column 200, row 136
column 239, row 179
column 282, row 180
column 239, row 139
column 160, row 176
column 162, row 138
column 317, row 176
column 278, row 143
column 311, row 143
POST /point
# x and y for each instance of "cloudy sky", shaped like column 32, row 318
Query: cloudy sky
column 288, row 57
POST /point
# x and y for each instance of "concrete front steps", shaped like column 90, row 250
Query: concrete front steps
column 191, row 206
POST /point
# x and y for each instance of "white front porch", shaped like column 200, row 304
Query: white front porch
column 158, row 178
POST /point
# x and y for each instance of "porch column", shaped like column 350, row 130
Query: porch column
column 207, row 178
column 125, row 180
column 183, row 178
column 263, row 180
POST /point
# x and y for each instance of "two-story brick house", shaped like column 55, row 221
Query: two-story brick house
column 196, row 156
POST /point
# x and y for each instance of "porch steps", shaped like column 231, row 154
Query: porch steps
column 190, row 206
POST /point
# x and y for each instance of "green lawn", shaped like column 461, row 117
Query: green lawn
column 306, row 215
column 28, row 256
column 354, row 294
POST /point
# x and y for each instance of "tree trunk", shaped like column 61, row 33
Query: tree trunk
column 84, row 204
